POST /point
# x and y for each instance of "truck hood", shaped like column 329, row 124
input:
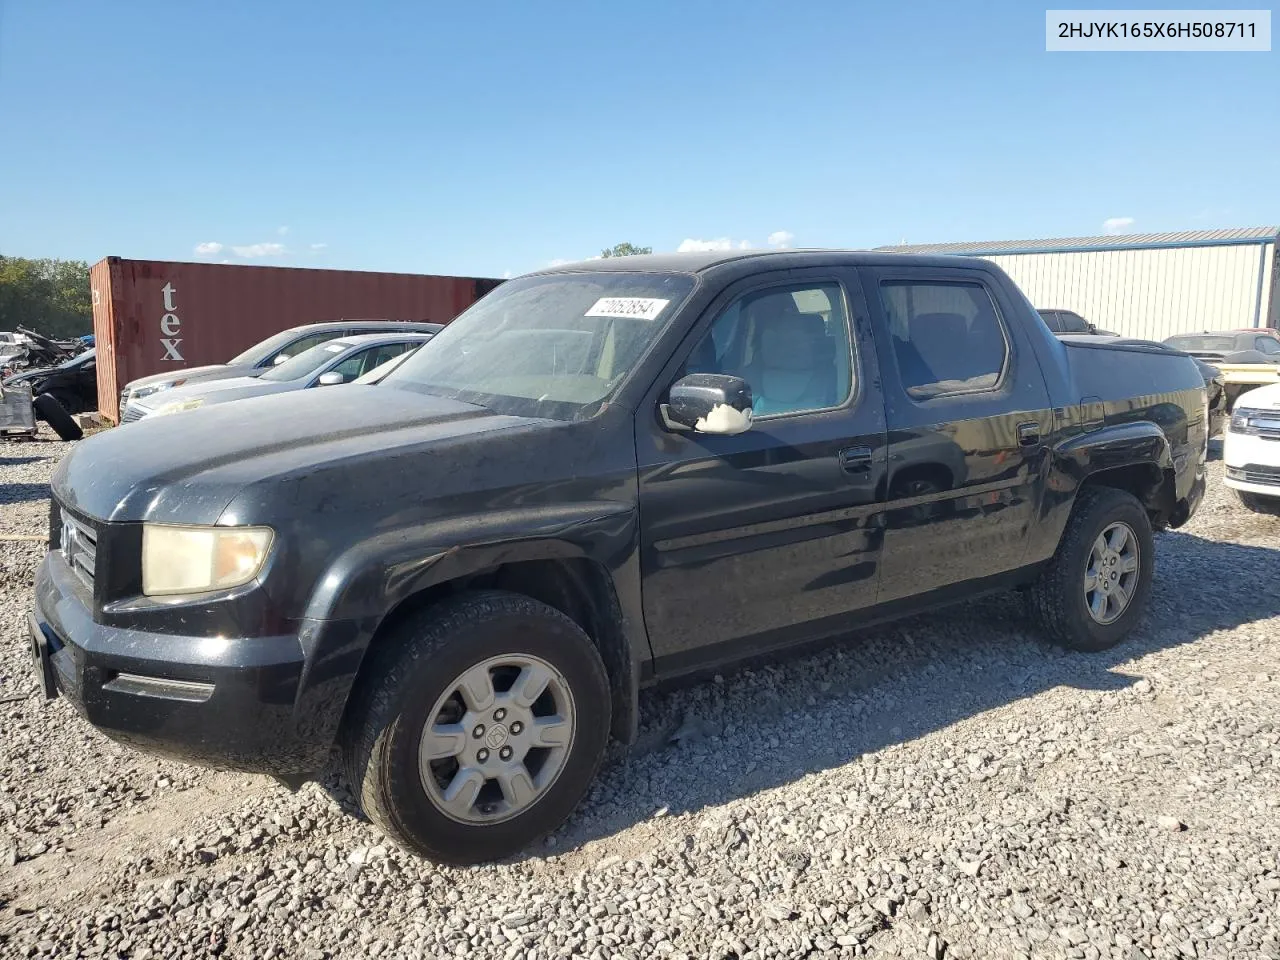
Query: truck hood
column 188, row 467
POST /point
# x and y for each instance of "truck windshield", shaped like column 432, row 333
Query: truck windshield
column 554, row 345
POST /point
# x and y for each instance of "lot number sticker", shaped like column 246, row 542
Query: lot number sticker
column 639, row 308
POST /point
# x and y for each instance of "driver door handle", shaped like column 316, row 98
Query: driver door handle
column 855, row 459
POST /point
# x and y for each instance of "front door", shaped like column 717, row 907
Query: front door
column 754, row 540
column 968, row 413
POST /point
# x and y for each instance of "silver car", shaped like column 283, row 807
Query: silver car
column 328, row 364
column 262, row 356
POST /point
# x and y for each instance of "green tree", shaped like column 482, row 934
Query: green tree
column 625, row 250
column 48, row 296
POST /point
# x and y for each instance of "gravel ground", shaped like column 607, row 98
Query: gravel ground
column 948, row 787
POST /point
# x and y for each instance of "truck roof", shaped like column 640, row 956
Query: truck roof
column 773, row 259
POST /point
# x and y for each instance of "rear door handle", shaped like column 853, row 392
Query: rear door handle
column 1029, row 433
column 855, row 459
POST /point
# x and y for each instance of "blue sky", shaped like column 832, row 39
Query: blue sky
column 481, row 139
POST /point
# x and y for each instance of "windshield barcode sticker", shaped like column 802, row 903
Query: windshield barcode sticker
column 639, row 308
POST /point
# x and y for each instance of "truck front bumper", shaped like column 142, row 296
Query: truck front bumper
column 232, row 703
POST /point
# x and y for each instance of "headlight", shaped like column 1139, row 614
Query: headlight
column 1240, row 419
column 151, row 388
column 177, row 406
column 200, row 559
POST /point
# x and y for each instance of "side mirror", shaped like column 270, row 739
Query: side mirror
column 331, row 379
column 709, row 403
column 1093, row 328
column 279, row 359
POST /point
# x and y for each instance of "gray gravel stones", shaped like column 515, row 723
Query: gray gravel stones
column 945, row 788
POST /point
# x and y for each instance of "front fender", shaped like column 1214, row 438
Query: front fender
column 376, row 575
column 357, row 592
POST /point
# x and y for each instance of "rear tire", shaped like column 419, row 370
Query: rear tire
column 1259, row 504
column 52, row 412
column 1092, row 594
column 423, row 729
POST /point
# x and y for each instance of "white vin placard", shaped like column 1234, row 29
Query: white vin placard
column 636, row 308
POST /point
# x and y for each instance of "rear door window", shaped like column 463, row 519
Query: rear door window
column 947, row 336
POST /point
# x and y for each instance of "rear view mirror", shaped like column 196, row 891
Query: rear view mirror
column 331, row 379
column 709, row 403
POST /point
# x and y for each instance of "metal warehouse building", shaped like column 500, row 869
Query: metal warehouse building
column 1151, row 286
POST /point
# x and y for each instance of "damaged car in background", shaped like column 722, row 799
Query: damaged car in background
column 60, row 380
column 598, row 477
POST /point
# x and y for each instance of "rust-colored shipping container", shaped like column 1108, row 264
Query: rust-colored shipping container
column 151, row 316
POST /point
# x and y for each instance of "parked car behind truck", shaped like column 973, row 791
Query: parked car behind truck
column 1246, row 359
column 259, row 358
column 324, row 365
column 1251, row 450
column 598, row 477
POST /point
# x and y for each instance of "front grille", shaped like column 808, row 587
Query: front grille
column 1257, row 423
column 1255, row 473
column 131, row 413
column 78, row 544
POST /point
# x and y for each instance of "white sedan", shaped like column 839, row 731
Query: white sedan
column 1251, row 449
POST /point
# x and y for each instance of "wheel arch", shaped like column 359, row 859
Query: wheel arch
column 559, row 573
column 1134, row 457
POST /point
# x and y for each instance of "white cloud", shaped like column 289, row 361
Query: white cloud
column 506, row 274
column 282, row 230
column 558, row 262
column 690, row 245
column 745, row 245
column 1116, row 224
column 318, row 246
column 259, row 250
column 781, row 239
column 209, row 248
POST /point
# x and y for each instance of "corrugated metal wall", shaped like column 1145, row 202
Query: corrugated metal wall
column 1152, row 293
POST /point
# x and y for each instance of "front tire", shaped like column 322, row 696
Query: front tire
column 1095, row 589
column 477, row 727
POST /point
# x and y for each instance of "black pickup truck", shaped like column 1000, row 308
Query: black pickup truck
column 599, row 477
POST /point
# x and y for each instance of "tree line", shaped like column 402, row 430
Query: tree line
column 48, row 296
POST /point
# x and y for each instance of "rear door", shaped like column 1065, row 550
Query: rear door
column 967, row 412
column 749, row 542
